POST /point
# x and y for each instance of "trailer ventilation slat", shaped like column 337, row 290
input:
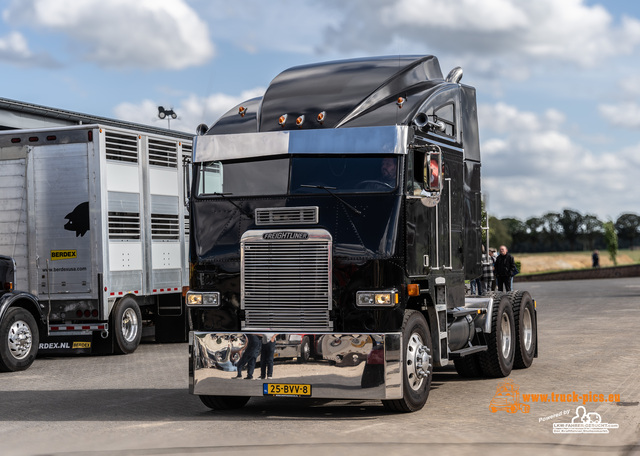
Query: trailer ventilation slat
column 165, row 227
column 124, row 225
column 286, row 284
column 287, row 216
column 187, row 150
column 121, row 147
column 163, row 153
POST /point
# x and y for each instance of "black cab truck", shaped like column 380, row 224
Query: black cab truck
column 341, row 212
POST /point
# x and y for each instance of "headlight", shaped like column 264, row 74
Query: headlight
column 211, row 299
column 376, row 298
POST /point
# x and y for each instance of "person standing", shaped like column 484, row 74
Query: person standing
column 505, row 269
column 595, row 259
column 250, row 356
column 487, row 271
column 267, row 354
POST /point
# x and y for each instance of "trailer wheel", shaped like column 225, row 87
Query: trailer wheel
column 526, row 330
column 127, row 325
column 417, row 372
column 19, row 339
column 497, row 361
column 468, row 367
column 224, row 402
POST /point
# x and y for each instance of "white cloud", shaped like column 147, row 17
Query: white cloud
column 191, row 111
column 15, row 49
column 165, row 34
column 15, row 44
column 631, row 85
column 626, row 115
column 530, row 167
column 487, row 31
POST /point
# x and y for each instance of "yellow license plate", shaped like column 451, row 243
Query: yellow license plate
column 286, row 389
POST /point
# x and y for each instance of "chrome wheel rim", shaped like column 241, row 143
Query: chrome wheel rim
column 129, row 325
column 527, row 329
column 418, row 362
column 20, row 339
column 505, row 329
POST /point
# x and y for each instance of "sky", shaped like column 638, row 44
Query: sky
column 558, row 81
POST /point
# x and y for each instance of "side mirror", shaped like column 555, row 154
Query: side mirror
column 433, row 171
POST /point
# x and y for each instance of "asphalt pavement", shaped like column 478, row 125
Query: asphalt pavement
column 139, row 404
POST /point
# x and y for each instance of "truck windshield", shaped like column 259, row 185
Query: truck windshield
column 299, row 175
column 344, row 174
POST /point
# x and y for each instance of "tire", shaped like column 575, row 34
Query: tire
column 126, row 322
column 19, row 340
column 305, row 350
column 468, row 367
column 526, row 329
column 224, row 402
column 497, row 361
column 416, row 377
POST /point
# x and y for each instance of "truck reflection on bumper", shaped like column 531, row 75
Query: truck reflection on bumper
column 342, row 366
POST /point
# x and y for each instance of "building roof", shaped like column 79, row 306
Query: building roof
column 21, row 115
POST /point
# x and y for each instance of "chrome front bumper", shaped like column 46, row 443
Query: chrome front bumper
column 341, row 366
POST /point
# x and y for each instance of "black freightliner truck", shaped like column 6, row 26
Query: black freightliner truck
column 334, row 222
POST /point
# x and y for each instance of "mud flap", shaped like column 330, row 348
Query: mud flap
column 65, row 344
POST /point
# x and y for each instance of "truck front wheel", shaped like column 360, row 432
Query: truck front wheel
column 224, row 402
column 19, row 340
column 127, row 326
column 417, row 369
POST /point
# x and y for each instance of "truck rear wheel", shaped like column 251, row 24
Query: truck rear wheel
column 468, row 367
column 224, row 402
column 526, row 331
column 127, row 326
column 19, row 339
column 417, row 371
column 497, row 361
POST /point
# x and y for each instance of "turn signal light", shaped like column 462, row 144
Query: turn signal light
column 242, row 111
column 300, row 121
column 282, row 119
column 321, row 116
column 400, row 101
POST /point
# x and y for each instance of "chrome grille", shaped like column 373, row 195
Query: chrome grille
column 287, row 215
column 286, row 283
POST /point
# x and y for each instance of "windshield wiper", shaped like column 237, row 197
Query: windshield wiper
column 224, row 196
column 328, row 190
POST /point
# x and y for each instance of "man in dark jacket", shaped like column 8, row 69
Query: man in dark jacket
column 505, row 269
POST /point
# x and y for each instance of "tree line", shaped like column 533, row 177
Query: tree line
column 568, row 230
